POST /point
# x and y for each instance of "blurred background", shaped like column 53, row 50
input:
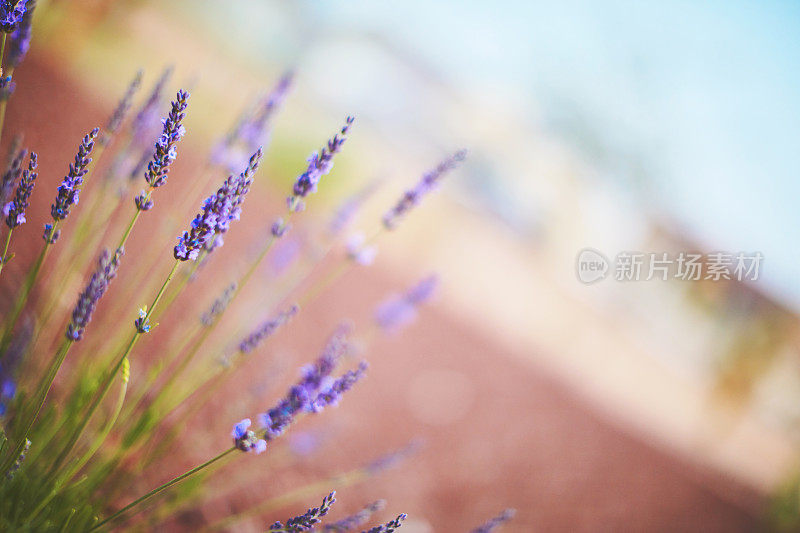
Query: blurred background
column 622, row 126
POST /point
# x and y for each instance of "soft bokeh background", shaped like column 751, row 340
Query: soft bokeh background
column 620, row 125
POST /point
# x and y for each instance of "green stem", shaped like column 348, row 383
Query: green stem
column 19, row 305
column 128, row 230
column 163, row 487
column 39, row 399
column 5, row 249
column 109, row 379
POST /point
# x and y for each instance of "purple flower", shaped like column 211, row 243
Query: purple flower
column 400, row 310
column 97, row 286
column 14, row 210
column 69, row 190
column 229, row 201
column 303, row 396
column 246, row 440
column 147, row 115
column 165, row 149
column 392, row 459
column 495, row 522
column 332, row 394
column 219, row 305
column 266, row 329
column 50, row 236
column 216, row 214
column 7, row 87
column 20, row 40
column 389, row 526
column 119, row 113
column 428, row 183
column 11, row 13
column 319, row 164
column 279, row 228
column 353, row 521
column 12, row 174
column 363, row 255
column 307, row 520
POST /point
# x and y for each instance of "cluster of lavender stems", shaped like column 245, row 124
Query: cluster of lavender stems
column 428, row 182
column 317, row 387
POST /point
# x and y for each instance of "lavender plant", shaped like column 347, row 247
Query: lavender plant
column 76, row 452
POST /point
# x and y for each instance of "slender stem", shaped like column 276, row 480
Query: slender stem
column 5, row 248
column 19, row 305
column 2, row 51
column 163, row 487
column 39, row 399
column 128, row 230
column 109, row 379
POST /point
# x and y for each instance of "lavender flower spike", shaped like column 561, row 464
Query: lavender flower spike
column 119, row 113
column 69, row 190
column 165, row 150
column 266, row 329
column 216, row 214
column 11, row 13
column 331, row 395
column 319, row 164
column 428, row 183
column 14, row 210
column 353, row 521
column 233, row 198
column 493, row 523
column 389, row 526
column 307, row 520
column 21, row 37
column 301, row 397
column 87, row 301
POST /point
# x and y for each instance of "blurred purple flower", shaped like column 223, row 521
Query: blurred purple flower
column 400, row 310
column 266, row 329
column 428, row 183
column 97, row 286
column 119, row 113
column 497, row 521
column 349, row 523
